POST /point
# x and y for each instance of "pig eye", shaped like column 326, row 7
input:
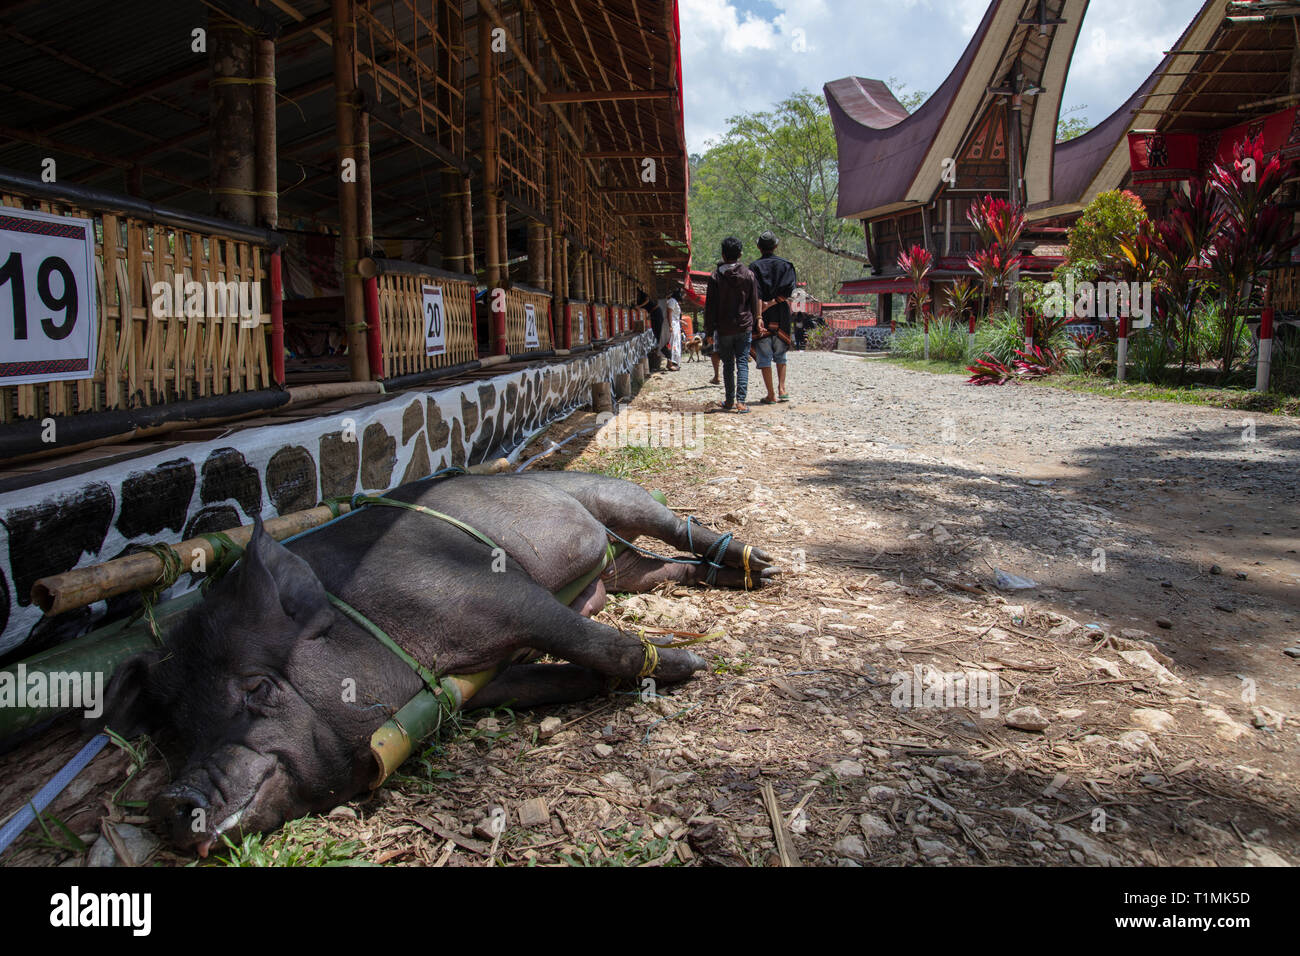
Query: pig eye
column 259, row 692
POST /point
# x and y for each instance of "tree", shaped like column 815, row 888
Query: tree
column 777, row 170
column 909, row 101
column 1068, row 127
column 1094, row 237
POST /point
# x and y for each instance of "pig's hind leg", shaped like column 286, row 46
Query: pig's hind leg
column 629, row 510
column 564, row 633
column 637, row 573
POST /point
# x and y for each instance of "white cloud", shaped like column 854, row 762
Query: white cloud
column 741, row 55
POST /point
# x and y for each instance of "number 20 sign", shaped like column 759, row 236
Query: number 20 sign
column 49, row 317
column 435, row 321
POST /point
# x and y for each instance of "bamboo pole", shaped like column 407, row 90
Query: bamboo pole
column 232, row 151
column 268, row 199
column 133, row 572
column 467, row 223
column 365, row 199
column 453, row 232
column 344, row 41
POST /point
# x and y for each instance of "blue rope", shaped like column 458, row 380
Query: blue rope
column 21, row 820
column 720, row 546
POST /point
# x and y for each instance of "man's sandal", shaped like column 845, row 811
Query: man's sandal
column 767, row 400
column 784, row 397
column 742, row 409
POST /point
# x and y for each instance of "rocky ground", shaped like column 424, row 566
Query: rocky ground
column 1141, row 689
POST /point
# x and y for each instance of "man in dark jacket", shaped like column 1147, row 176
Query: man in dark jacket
column 731, row 309
column 776, row 282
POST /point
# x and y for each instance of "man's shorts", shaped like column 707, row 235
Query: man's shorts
column 769, row 349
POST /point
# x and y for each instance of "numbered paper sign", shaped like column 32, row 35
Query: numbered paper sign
column 49, row 316
column 600, row 324
column 531, row 341
column 435, row 321
column 582, row 327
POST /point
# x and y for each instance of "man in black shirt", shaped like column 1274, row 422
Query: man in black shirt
column 776, row 282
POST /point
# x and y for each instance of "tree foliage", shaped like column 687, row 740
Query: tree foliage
column 777, row 170
column 1094, row 238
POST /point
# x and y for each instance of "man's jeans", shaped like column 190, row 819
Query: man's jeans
column 734, row 351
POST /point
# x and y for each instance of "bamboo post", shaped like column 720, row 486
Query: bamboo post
column 492, row 212
column 536, row 255
column 453, row 230
column 365, row 199
column 232, row 152
column 467, row 223
column 344, row 42
column 268, row 199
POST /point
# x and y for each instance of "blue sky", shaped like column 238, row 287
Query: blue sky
column 744, row 55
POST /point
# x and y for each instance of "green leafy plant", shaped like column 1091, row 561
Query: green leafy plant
column 1093, row 239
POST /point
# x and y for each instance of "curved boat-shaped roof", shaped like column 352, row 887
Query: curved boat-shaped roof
column 881, row 147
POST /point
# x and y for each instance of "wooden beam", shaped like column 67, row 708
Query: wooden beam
column 600, row 96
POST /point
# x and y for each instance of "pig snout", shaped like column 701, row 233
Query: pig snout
column 225, row 795
column 179, row 810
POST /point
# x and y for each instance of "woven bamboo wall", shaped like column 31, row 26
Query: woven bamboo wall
column 1284, row 286
column 516, row 299
column 148, row 360
column 401, row 315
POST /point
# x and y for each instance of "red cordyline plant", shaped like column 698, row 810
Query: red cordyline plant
column 989, row 371
column 999, row 224
column 1038, row 362
column 1179, row 243
column 916, row 264
column 1254, row 234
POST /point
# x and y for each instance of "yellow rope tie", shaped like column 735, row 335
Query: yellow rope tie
column 651, row 658
column 651, row 650
column 234, row 191
column 242, row 81
column 749, row 581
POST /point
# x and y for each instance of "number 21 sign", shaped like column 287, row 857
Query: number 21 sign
column 49, row 317
column 435, row 321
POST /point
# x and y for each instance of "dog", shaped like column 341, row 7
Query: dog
column 694, row 348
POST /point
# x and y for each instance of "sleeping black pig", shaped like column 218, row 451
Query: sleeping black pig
column 246, row 692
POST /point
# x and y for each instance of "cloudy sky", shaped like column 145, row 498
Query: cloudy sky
column 744, row 55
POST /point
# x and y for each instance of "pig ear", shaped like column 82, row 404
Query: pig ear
column 273, row 577
column 128, row 709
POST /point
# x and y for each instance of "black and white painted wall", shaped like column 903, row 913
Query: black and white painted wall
column 220, row 484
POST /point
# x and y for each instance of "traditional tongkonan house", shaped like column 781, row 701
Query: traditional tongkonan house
column 990, row 129
column 268, row 218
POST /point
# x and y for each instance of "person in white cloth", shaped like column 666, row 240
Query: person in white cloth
column 671, row 338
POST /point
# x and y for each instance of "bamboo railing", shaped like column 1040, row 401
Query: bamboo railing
column 403, row 323
column 143, row 358
column 517, row 297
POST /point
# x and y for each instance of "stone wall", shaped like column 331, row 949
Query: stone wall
column 195, row 488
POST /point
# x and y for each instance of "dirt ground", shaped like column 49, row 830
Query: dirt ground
column 1145, row 712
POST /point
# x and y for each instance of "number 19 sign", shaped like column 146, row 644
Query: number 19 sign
column 435, row 321
column 49, row 319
